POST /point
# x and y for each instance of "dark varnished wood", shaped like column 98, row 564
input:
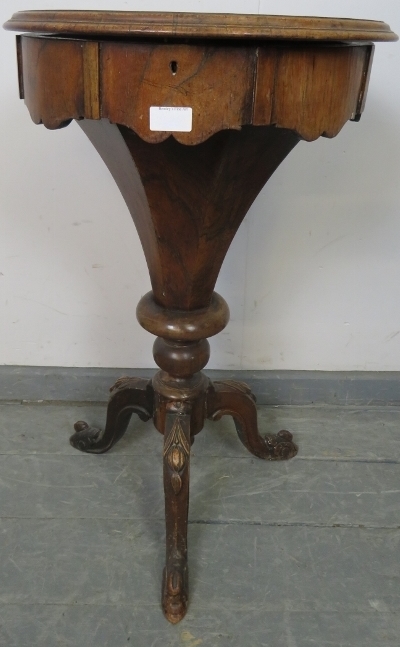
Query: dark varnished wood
column 186, row 231
column 256, row 85
column 192, row 228
column 310, row 89
column 177, row 323
column 127, row 396
column 177, row 442
column 236, row 399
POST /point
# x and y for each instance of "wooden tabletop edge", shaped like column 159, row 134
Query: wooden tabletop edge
column 153, row 24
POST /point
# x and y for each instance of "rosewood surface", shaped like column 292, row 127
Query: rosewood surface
column 198, row 25
column 256, row 86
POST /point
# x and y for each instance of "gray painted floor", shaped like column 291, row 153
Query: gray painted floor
column 290, row 554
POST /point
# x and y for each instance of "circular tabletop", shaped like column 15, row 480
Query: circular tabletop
column 198, row 25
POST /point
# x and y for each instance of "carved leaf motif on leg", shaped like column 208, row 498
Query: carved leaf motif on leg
column 176, row 453
column 128, row 395
column 176, row 460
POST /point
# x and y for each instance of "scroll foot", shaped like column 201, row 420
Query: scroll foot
column 128, row 395
column 280, row 446
column 235, row 399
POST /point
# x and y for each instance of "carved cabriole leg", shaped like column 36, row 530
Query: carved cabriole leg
column 179, row 408
column 128, row 395
column 235, row 399
column 177, row 441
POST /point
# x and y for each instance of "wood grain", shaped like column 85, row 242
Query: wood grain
column 198, row 197
column 216, row 82
column 311, row 89
column 198, row 25
column 184, row 229
column 91, row 79
column 53, row 80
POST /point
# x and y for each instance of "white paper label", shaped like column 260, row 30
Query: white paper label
column 171, row 119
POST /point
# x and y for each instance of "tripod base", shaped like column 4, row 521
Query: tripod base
column 179, row 419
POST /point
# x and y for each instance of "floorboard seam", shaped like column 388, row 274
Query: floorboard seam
column 217, row 522
column 83, row 456
column 155, row 605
